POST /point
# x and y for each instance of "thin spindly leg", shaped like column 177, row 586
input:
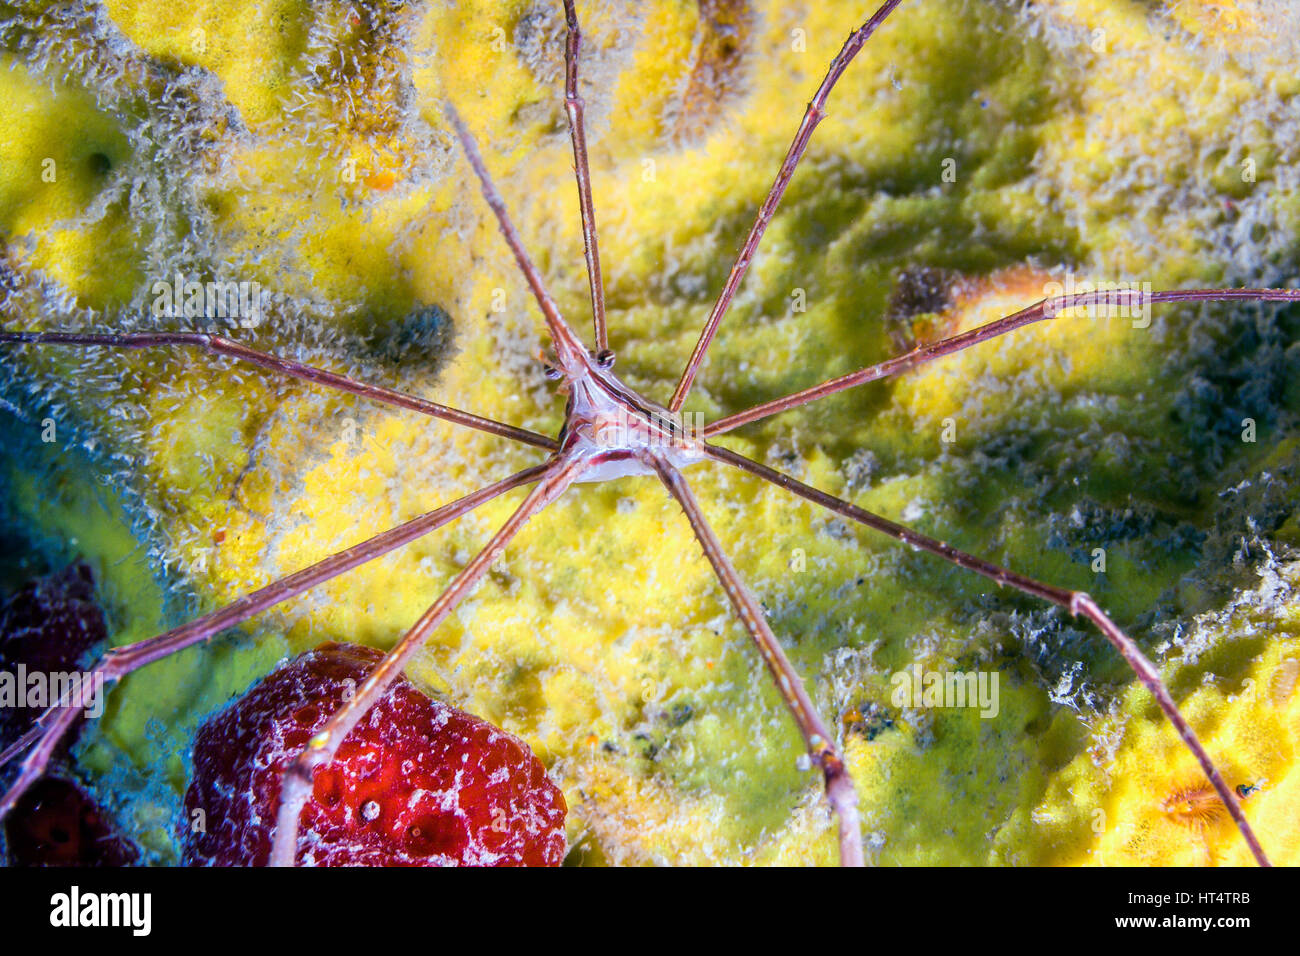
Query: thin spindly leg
column 1047, row 309
column 812, row 116
column 297, row 779
column 568, row 349
column 576, row 109
column 222, row 346
column 120, row 661
column 821, row 744
column 1076, row 602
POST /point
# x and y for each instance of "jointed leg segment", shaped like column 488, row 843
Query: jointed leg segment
column 308, row 373
column 576, row 109
column 297, row 780
column 568, row 348
column 1076, row 602
column 1046, row 309
column 813, row 115
column 54, row 724
column 819, row 741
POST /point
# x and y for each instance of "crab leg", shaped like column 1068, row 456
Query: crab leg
column 1076, row 602
column 1046, row 309
column 812, row 116
column 120, row 661
column 569, row 350
column 576, row 109
column 308, row 373
column 298, row 777
column 821, row 744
